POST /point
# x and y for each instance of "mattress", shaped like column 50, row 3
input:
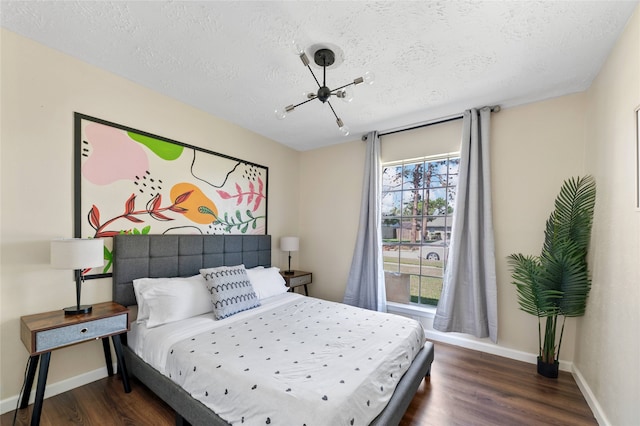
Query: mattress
column 293, row 360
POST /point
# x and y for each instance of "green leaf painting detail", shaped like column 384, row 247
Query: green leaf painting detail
column 165, row 150
column 108, row 257
column 206, row 210
column 242, row 225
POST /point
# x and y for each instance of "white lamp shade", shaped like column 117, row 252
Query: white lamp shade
column 289, row 243
column 77, row 253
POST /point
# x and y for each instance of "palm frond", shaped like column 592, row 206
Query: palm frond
column 533, row 297
column 573, row 215
column 566, row 271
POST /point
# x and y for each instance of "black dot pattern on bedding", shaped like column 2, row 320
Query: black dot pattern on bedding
column 266, row 361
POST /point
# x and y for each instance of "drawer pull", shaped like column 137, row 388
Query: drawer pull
column 84, row 330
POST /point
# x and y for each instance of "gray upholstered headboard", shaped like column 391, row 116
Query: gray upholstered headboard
column 157, row 256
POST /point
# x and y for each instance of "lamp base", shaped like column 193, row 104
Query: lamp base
column 289, row 272
column 75, row 310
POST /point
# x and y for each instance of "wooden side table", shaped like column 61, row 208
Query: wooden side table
column 48, row 331
column 296, row 279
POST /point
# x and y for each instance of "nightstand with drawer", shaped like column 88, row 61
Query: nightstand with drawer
column 45, row 332
column 297, row 279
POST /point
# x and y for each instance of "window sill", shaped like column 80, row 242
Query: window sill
column 419, row 311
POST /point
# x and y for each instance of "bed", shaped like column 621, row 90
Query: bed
column 164, row 256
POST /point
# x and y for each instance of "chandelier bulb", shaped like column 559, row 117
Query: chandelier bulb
column 297, row 48
column 281, row 113
column 369, row 78
column 343, row 129
column 345, row 94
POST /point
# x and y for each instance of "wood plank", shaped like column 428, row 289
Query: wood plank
column 465, row 388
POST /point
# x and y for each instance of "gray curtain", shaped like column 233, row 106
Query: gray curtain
column 365, row 286
column 468, row 303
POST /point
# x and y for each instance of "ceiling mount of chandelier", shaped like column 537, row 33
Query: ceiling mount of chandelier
column 324, row 57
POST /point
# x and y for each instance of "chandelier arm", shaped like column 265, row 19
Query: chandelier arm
column 314, row 76
column 341, row 87
column 304, row 102
column 333, row 110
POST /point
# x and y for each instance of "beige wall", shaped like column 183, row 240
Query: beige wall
column 330, row 184
column 41, row 88
column 608, row 348
column 534, row 148
column 436, row 139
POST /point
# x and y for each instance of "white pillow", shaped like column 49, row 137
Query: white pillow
column 267, row 282
column 167, row 300
column 139, row 285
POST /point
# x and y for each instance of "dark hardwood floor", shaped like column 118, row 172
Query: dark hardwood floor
column 465, row 388
column 474, row 388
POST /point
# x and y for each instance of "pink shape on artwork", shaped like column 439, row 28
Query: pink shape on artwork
column 114, row 156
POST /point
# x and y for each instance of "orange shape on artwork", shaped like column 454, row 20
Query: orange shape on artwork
column 200, row 209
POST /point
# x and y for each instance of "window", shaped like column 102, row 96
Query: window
column 417, row 205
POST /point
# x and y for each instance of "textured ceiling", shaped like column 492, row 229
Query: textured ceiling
column 431, row 59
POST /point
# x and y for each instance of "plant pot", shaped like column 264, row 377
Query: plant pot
column 548, row 370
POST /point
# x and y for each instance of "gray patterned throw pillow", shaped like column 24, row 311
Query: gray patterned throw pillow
column 231, row 291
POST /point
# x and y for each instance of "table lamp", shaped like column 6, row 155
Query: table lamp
column 289, row 244
column 77, row 254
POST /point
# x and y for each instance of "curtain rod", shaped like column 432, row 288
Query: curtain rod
column 494, row 108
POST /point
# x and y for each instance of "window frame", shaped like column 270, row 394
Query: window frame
column 417, row 221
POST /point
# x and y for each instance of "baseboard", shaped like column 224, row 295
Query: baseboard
column 56, row 388
column 598, row 413
column 476, row 345
column 425, row 315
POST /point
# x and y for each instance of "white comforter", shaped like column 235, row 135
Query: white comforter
column 300, row 361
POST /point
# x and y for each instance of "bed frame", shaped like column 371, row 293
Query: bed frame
column 156, row 256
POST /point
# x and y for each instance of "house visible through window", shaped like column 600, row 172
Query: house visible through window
column 417, row 204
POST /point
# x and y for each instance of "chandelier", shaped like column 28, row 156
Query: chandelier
column 324, row 57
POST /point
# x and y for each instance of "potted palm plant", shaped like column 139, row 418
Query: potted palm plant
column 555, row 285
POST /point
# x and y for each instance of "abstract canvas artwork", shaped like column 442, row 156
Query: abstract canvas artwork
column 134, row 182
